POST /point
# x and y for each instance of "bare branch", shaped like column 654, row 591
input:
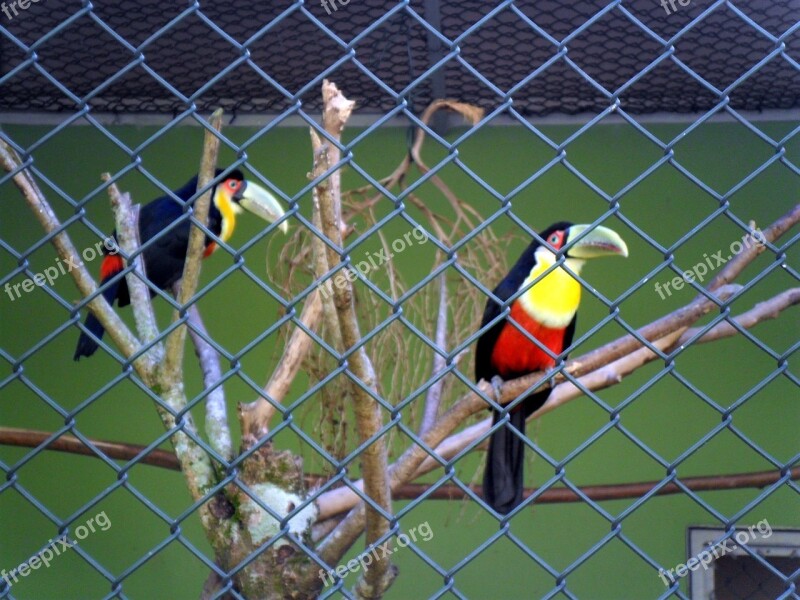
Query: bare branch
column 321, row 268
column 368, row 413
column 28, row 438
column 763, row 311
column 126, row 218
column 194, row 253
column 617, row 491
column 25, row 438
column 255, row 416
column 117, row 330
column 434, row 395
column 217, row 428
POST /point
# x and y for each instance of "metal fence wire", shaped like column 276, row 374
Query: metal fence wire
column 101, row 63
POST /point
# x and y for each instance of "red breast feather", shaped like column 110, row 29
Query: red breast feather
column 514, row 354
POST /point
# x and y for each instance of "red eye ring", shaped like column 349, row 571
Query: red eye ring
column 556, row 239
column 233, row 184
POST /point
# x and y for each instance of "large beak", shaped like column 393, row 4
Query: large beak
column 600, row 241
column 261, row 203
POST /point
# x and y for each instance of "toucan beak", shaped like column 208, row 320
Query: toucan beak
column 260, row 202
column 600, row 241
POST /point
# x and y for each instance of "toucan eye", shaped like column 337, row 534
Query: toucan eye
column 233, row 184
column 554, row 239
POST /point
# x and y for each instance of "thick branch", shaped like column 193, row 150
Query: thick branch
column 195, row 462
column 321, row 268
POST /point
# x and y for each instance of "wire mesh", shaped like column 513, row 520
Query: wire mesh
column 514, row 59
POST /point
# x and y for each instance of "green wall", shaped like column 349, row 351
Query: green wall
column 661, row 411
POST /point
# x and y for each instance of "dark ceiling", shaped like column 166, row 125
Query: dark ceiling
column 546, row 56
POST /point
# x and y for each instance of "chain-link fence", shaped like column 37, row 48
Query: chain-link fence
column 673, row 122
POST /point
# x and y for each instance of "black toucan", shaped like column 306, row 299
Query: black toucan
column 546, row 311
column 165, row 257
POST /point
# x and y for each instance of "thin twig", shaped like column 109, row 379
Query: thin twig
column 763, row 311
column 25, row 438
column 434, row 395
column 28, row 438
column 616, row 491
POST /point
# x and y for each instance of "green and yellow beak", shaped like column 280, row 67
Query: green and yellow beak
column 600, row 241
column 255, row 199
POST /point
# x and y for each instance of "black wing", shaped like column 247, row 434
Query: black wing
column 504, row 290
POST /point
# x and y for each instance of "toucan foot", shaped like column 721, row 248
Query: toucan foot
column 497, row 383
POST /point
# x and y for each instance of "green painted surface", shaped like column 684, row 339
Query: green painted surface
column 660, row 411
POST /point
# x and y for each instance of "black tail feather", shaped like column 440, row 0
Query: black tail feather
column 503, row 481
column 86, row 345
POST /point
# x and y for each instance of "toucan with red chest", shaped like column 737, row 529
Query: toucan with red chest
column 164, row 258
column 546, row 312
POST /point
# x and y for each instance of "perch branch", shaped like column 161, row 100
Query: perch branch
column 606, row 376
column 401, row 471
column 339, row 500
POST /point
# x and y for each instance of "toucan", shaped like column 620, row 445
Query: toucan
column 164, row 258
column 545, row 311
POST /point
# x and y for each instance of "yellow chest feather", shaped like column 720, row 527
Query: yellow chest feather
column 554, row 299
